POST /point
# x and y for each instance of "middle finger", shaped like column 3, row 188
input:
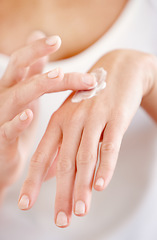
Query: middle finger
column 65, row 175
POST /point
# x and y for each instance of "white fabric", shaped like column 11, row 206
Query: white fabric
column 127, row 208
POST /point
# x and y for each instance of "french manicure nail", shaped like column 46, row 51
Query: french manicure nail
column 54, row 73
column 24, row 202
column 52, row 40
column 61, row 219
column 100, row 182
column 90, row 80
column 80, row 207
column 23, row 116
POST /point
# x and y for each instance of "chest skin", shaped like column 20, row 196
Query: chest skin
column 79, row 23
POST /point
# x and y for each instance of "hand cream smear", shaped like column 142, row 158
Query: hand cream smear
column 100, row 75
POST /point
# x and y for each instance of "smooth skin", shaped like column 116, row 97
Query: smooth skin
column 76, row 129
column 102, row 118
column 20, row 87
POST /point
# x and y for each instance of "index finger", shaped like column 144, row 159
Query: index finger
column 27, row 91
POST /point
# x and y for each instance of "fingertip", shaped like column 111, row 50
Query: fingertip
column 29, row 113
column 101, row 184
column 80, row 208
column 24, row 202
column 59, row 41
column 98, row 188
column 89, row 80
column 26, row 115
column 56, row 73
column 54, row 41
column 61, row 220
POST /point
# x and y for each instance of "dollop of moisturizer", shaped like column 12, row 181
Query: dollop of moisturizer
column 100, row 75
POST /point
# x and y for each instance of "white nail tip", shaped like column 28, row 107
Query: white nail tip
column 53, row 40
column 24, row 202
column 23, row 116
column 61, row 219
column 80, row 207
column 100, row 182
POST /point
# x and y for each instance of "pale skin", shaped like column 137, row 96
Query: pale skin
column 20, row 87
column 80, row 127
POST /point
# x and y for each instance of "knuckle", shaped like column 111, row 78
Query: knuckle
column 63, row 200
column 39, row 159
column 65, row 166
column 108, row 166
column 54, row 120
column 3, row 133
column 54, row 124
column 83, row 188
column 75, row 119
column 15, row 98
column 86, row 158
column 67, row 80
column 108, row 147
column 29, row 182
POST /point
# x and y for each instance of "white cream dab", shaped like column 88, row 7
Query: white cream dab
column 100, row 75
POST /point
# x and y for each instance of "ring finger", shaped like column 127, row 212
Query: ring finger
column 86, row 163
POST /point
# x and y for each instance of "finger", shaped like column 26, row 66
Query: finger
column 79, row 81
column 38, row 66
column 52, row 170
column 10, row 130
column 109, row 150
column 53, row 81
column 26, row 56
column 65, row 176
column 86, row 163
column 40, row 163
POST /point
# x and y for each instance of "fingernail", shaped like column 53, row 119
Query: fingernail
column 100, row 182
column 80, row 207
column 54, row 73
column 53, row 40
column 24, row 202
column 23, row 116
column 90, row 80
column 61, row 219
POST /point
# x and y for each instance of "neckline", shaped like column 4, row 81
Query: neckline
column 115, row 26
column 119, row 23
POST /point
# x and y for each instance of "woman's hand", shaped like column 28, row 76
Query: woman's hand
column 20, row 87
column 76, row 129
